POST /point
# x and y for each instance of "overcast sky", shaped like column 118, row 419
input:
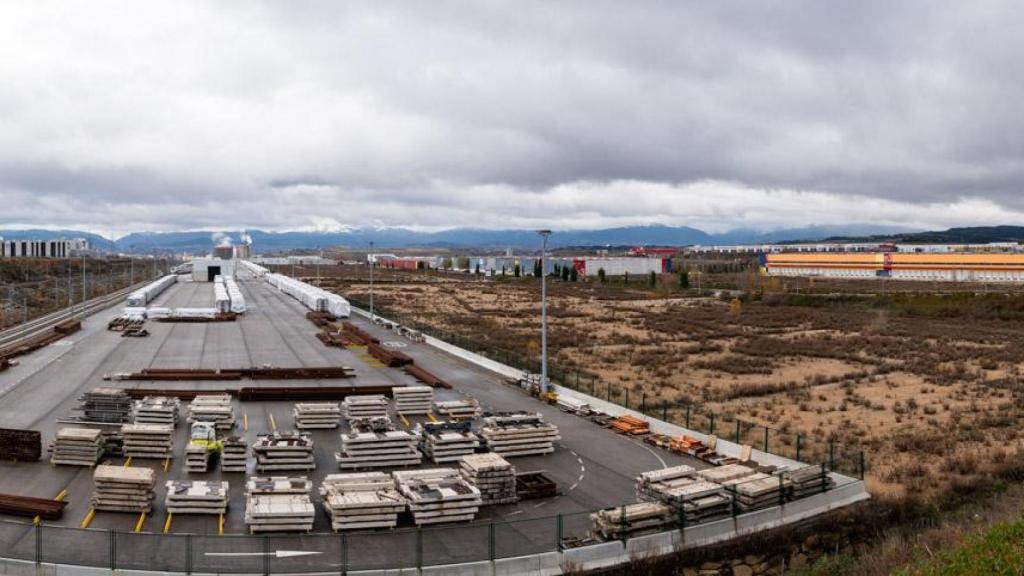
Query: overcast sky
column 127, row 116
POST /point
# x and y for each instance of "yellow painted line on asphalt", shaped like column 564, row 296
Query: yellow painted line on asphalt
column 128, row 462
column 431, row 416
column 245, row 422
column 167, row 523
column 404, row 420
column 142, row 520
column 88, row 518
column 220, row 524
column 273, row 423
column 167, row 463
column 60, row 497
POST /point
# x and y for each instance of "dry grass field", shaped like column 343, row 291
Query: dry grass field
column 928, row 385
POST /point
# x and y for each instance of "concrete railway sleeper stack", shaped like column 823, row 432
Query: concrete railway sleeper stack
column 77, row 447
column 492, row 475
column 20, row 445
column 279, row 504
column 363, row 448
column 369, row 406
column 438, row 495
column 283, row 451
column 448, row 441
column 122, row 489
column 148, row 440
column 362, row 500
column 461, row 409
column 318, row 415
column 411, row 400
column 632, row 520
column 196, row 497
column 519, row 434
column 234, row 454
column 678, row 487
column 156, row 410
column 214, row 408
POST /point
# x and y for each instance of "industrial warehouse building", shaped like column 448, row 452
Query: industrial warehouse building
column 206, row 269
column 55, row 248
column 947, row 267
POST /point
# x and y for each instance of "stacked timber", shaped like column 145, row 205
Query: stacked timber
column 448, row 441
column 519, row 434
column 492, row 475
column 107, row 405
column 148, row 440
column 438, row 495
column 121, row 489
column 321, row 415
column 413, row 399
column 77, row 447
column 279, row 504
column 234, row 454
column 364, row 448
column 362, row 500
column 196, row 497
column 283, row 451
column 215, row 408
column 20, row 445
column 461, row 409
column 367, row 406
column 156, row 410
column 808, row 480
column 632, row 520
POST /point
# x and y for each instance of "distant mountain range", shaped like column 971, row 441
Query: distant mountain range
column 656, row 235
column 972, row 235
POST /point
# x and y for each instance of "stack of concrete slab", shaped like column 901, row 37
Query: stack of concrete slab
column 368, row 406
column 411, row 400
column 492, row 475
column 215, row 408
column 632, row 520
column 196, row 497
column 320, row 415
column 371, row 424
column 461, row 409
column 809, row 480
column 680, row 488
column 723, row 474
column 122, row 489
column 77, row 447
column 519, row 434
column 279, row 504
column 448, row 441
column 197, row 458
column 234, row 454
column 438, row 495
column 758, row 491
column 283, row 451
column 107, row 405
column 148, row 440
column 362, row 500
column 374, row 449
column 156, row 410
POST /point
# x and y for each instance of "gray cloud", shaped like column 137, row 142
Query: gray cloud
column 125, row 116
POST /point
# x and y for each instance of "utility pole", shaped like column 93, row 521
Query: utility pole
column 83, row 286
column 319, row 258
column 544, row 234
column 371, row 259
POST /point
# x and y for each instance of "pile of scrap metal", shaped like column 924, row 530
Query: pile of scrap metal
column 358, row 335
column 38, row 341
column 20, row 445
column 388, row 356
column 29, row 507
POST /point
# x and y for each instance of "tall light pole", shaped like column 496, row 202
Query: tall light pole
column 370, row 260
column 543, row 311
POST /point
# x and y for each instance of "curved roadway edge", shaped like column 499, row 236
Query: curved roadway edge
column 848, row 491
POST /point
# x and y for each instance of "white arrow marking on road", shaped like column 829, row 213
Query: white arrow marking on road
column 276, row 553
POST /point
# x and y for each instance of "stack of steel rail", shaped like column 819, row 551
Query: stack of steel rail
column 30, row 507
column 20, row 445
column 122, row 489
column 106, row 406
column 388, row 356
column 424, row 376
column 38, row 341
column 358, row 335
column 494, row 476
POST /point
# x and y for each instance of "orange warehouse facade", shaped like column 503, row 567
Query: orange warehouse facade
column 952, row 267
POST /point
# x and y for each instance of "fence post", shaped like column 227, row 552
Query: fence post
column 766, row 439
column 490, row 541
column 664, row 410
column 688, row 417
column 711, row 415
column 39, row 543
column 737, row 430
column 419, row 547
column 797, row 448
column 593, row 386
column 113, row 550
column 831, row 456
column 188, row 553
column 608, row 397
column 558, row 533
column 643, row 402
column 577, row 380
column 861, row 464
column 627, row 398
column 782, row 494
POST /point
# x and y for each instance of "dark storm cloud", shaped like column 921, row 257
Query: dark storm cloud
column 437, row 114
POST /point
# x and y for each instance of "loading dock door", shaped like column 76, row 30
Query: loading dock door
column 212, row 272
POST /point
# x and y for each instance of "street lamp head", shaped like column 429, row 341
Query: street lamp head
column 544, row 232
